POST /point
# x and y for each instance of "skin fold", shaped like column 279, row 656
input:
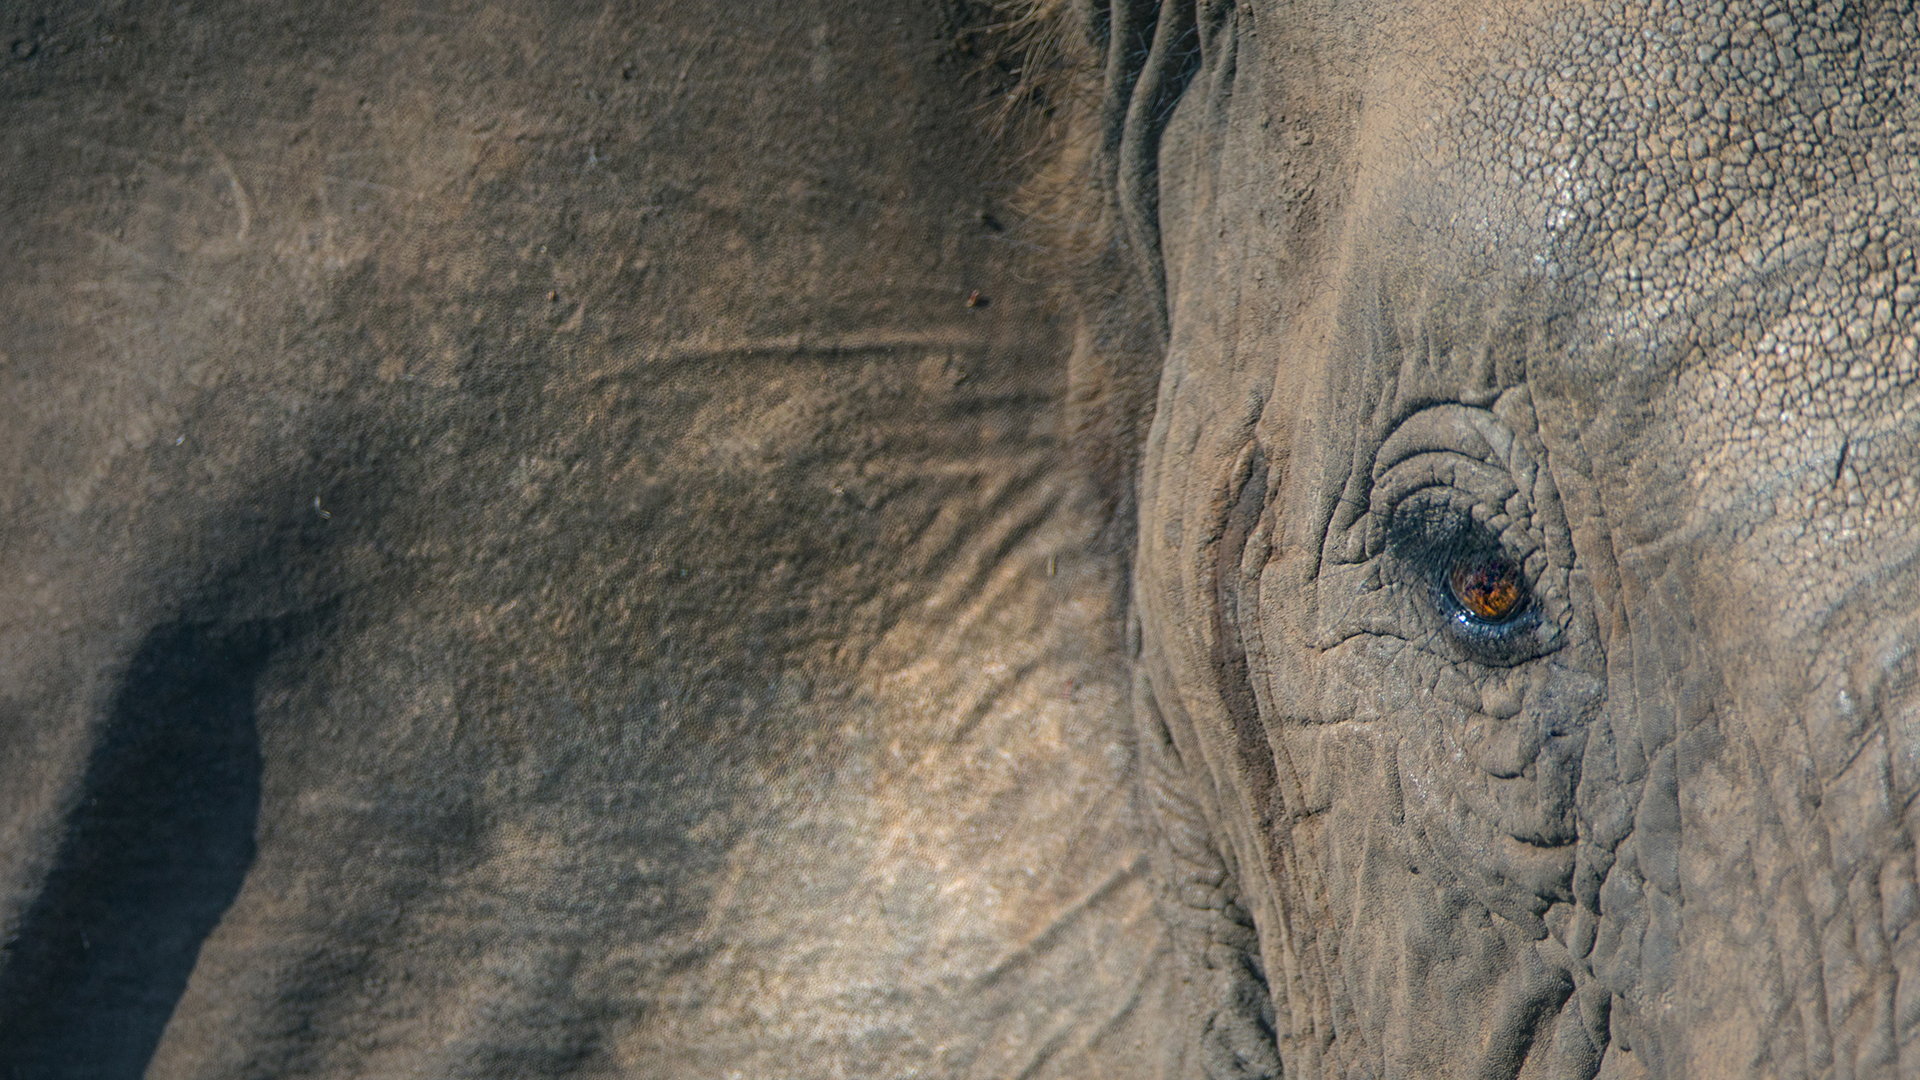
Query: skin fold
column 1625, row 296
column 521, row 561
column 639, row 540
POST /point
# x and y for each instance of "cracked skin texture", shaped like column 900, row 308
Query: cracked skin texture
column 1630, row 288
column 521, row 560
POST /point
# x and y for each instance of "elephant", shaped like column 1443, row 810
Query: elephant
column 1343, row 540
column 1525, row 572
column 539, row 542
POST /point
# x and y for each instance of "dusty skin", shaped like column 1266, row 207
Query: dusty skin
column 520, row 560
column 611, row 540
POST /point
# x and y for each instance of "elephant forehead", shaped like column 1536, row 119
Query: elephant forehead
column 1709, row 210
column 1651, row 154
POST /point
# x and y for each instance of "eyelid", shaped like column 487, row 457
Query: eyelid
column 1486, row 484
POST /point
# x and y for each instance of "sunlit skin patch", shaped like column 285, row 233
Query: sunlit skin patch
column 1488, row 588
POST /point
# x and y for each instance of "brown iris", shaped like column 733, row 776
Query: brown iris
column 1489, row 588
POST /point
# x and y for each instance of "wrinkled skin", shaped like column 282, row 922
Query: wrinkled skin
column 521, row 559
column 1626, row 298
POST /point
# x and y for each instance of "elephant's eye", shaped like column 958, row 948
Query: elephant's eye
column 1472, row 578
column 1488, row 589
column 1464, row 561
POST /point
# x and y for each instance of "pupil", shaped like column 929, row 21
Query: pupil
column 1489, row 589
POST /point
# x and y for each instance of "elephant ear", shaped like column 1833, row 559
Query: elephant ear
column 536, row 543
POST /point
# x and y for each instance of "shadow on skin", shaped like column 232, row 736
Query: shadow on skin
column 155, row 851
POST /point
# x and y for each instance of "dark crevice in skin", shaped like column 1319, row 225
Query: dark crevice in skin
column 1239, row 1038
column 1229, row 651
column 156, row 850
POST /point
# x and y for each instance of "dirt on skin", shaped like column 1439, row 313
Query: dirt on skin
column 520, row 556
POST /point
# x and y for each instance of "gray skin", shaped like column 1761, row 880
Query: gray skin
column 521, row 560
column 1625, row 294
